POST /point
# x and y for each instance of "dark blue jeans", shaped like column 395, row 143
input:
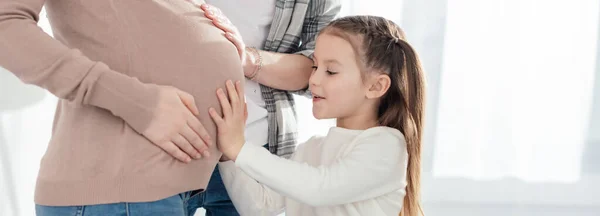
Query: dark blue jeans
column 214, row 199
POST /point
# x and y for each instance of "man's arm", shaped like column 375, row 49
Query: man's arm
column 281, row 70
column 292, row 71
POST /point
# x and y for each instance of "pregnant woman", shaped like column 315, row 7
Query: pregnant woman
column 135, row 79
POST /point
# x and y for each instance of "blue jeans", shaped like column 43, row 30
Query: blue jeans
column 215, row 200
column 177, row 205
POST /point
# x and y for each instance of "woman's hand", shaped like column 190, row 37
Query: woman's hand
column 230, row 127
column 232, row 33
column 175, row 127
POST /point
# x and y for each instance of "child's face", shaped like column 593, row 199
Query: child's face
column 336, row 83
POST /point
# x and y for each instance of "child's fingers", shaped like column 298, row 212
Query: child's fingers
column 216, row 118
column 245, row 112
column 241, row 97
column 240, row 91
column 224, row 103
column 233, row 96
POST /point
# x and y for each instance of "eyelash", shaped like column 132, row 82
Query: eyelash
column 314, row 67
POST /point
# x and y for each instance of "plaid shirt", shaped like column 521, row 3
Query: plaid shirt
column 293, row 30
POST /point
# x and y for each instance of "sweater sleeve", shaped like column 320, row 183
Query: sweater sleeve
column 249, row 196
column 38, row 59
column 368, row 170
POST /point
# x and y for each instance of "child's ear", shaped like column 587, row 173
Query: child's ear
column 379, row 84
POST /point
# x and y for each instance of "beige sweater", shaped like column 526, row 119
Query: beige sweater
column 103, row 65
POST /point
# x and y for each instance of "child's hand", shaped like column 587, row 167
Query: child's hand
column 230, row 134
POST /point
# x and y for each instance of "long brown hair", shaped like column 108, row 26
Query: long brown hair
column 382, row 46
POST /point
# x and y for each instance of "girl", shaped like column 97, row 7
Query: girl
column 367, row 77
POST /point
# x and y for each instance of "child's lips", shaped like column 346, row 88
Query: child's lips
column 317, row 98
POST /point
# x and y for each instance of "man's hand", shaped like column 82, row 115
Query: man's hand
column 175, row 127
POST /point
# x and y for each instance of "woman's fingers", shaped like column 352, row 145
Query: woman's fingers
column 195, row 125
column 191, row 136
column 185, row 145
column 174, row 151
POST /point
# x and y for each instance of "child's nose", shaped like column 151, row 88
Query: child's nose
column 314, row 79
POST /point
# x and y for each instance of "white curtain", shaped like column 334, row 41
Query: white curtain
column 516, row 89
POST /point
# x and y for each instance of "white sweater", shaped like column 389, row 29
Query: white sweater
column 348, row 172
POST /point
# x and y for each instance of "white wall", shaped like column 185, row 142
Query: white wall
column 592, row 151
column 462, row 209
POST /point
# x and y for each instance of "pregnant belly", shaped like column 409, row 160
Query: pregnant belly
column 177, row 46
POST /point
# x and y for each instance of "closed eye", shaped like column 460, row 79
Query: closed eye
column 314, row 67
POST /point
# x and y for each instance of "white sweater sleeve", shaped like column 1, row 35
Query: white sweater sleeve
column 248, row 196
column 369, row 169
